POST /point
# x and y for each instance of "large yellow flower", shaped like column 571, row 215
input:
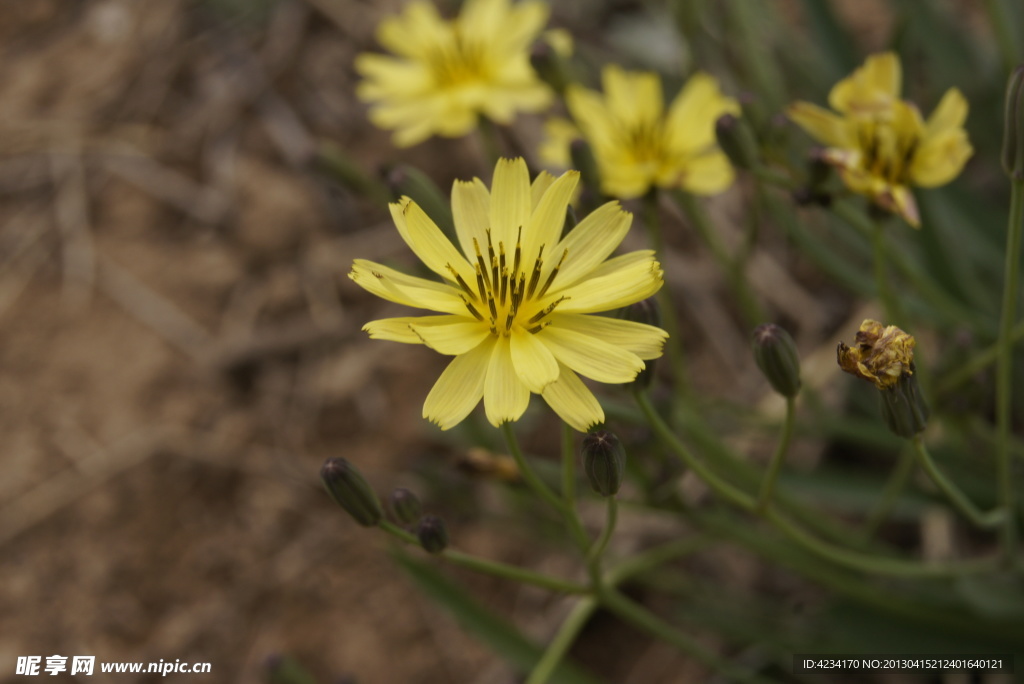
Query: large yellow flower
column 516, row 302
column 880, row 143
column 447, row 73
column 637, row 144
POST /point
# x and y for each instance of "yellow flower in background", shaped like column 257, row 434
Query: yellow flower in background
column 516, row 302
column 880, row 354
column 637, row 143
column 880, row 143
column 445, row 74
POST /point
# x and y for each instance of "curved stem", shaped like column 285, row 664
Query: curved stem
column 893, row 315
column 957, row 497
column 893, row 486
column 542, row 490
column 568, row 467
column 594, row 555
column 768, row 484
column 503, row 570
column 720, row 486
column 1004, row 367
column 489, row 140
column 640, row 617
column 562, row 640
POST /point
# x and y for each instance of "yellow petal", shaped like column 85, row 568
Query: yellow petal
column 693, row 113
column 632, row 96
column 534, row 363
column 539, row 187
column 949, row 115
column 548, row 219
column 588, row 244
column 573, row 402
column 616, row 283
column 505, row 395
column 415, row 32
column 400, row 330
column 400, row 288
column 510, row 201
column 471, row 206
column 871, row 88
column 459, row 388
column 646, row 341
column 427, row 241
column 940, row 158
column 452, row 336
column 554, row 148
column 708, row 174
column 821, row 124
column 590, row 356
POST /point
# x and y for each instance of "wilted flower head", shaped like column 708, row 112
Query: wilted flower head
column 879, row 354
column 638, row 145
column 880, row 143
column 448, row 73
column 517, row 300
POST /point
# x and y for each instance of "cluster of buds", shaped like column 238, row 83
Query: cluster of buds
column 884, row 356
column 352, row 492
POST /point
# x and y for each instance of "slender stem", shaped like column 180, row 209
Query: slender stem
column 505, row 571
column 1002, row 27
column 562, row 640
column 527, row 473
column 878, row 565
column 768, row 484
column 893, row 486
column 1004, row 368
column 955, row 495
column 720, row 486
column 890, row 304
column 732, row 266
column 640, row 617
column 489, row 139
column 568, row 467
column 543, row 491
column 670, row 320
column 979, row 362
column 594, row 555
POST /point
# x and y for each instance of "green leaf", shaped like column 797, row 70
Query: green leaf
column 502, row 637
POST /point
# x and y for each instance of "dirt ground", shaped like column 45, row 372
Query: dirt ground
column 181, row 350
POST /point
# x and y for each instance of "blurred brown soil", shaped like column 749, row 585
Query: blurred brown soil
column 181, row 349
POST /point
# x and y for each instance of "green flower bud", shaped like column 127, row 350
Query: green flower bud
column 903, row 408
column 405, row 507
column 549, row 65
column 737, row 141
column 1013, row 131
column 604, row 461
column 582, row 156
column 350, row 490
column 408, row 181
column 432, row 534
column 776, row 356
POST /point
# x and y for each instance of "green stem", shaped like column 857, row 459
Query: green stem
column 510, row 572
column 890, row 305
column 893, row 486
column 957, row 497
column 562, row 640
column 731, row 265
column 568, row 467
column 639, row 616
column 1004, row 368
column 652, row 558
column 594, row 555
column 670, row 320
column 768, row 484
column 720, row 486
column 489, row 139
column 977, row 363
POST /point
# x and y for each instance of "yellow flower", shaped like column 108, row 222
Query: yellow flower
column 447, row 73
column 516, row 301
column 880, row 143
column 880, row 354
column 637, row 144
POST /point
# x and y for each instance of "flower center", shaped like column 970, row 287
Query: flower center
column 887, row 151
column 458, row 62
column 504, row 285
column 646, row 141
